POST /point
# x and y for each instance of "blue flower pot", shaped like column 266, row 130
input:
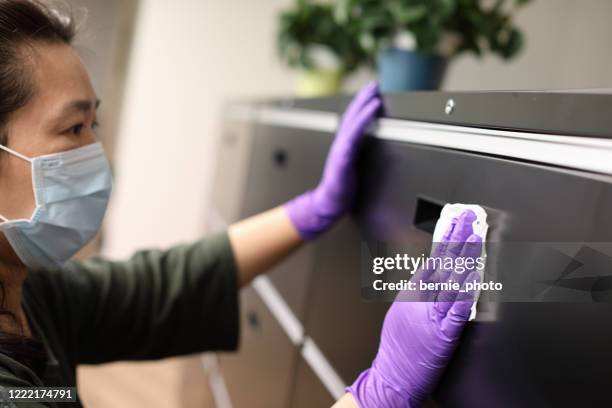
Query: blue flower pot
column 401, row 70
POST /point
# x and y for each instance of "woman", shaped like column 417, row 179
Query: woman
column 54, row 187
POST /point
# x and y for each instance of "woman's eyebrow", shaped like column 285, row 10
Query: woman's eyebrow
column 83, row 105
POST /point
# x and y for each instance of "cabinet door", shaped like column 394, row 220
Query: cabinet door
column 232, row 164
column 259, row 375
column 285, row 163
column 309, row 392
column 345, row 328
column 516, row 354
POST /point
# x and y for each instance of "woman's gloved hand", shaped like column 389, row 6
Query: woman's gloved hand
column 313, row 212
column 418, row 337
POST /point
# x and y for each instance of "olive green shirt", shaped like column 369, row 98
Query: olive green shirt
column 157, row 304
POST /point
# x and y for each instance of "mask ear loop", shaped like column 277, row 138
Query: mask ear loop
column 17, row 154
column 14, row 153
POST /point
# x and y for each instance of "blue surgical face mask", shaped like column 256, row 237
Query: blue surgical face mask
column 71, row 190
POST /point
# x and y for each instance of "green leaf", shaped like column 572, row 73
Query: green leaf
column 356, row 29
column 513, row 45
column 407, row 15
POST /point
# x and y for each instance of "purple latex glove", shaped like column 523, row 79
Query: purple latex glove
column 418, row 338
column 313, row 212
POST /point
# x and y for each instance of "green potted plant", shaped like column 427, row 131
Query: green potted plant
column 310, row 39
column 411, row 41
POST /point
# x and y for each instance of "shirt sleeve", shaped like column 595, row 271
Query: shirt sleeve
column 155, row 305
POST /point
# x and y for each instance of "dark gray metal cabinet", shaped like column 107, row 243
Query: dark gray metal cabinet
column 308, row 390
column 259, row 375
column 529, row 354
column 514, row 354
column 232, row 161
column 284, row 163
column 344, row 327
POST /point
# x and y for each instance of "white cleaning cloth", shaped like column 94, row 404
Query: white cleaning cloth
column 479, row 226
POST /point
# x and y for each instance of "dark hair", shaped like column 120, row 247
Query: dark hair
column 23, row 24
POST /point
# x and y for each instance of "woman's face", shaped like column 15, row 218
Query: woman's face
column 60, row 116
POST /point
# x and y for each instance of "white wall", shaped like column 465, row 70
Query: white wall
column 568, row 46
column 104, row 28
column 190, row 55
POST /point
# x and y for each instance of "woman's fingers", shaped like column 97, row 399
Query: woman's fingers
column 451, row 247
column 465, row 264
column 363, row 119
column 428, row 273
column 348, row 139
column 461, row 232
column 439, row 248
column 459, row 312
column 363, row 96
column 459, row 229
column 360, row 113
column 472, row 249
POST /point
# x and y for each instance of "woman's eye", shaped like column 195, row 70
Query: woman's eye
column 95, row 124
column 76, row 129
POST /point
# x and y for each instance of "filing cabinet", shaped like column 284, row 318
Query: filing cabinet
column 308, row 390
column 531, row 354
column 282, row 164
column 543, row 349
column 259, row 375
column 285, row 163
column 231, row 170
